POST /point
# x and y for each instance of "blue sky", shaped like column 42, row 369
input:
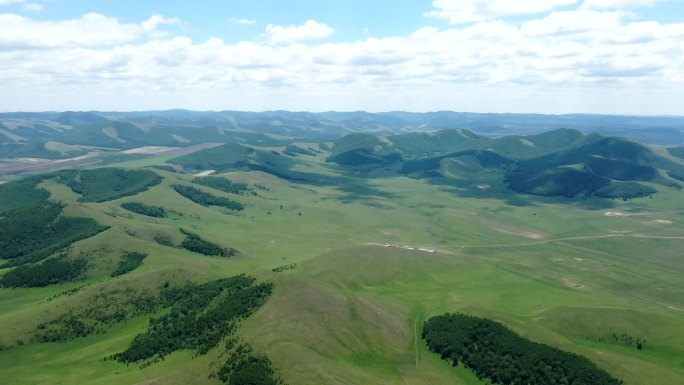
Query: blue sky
column 353, row 19
column 548, row 56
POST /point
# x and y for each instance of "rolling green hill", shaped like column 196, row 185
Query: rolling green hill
column 329, row 271
column 556, row 163
column 594, row 168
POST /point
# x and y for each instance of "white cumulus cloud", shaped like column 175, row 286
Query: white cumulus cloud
column 310, row 30
column 241, row 21
column 466, row 11
column 89, row 30
column 563, row 61
column 619, row 4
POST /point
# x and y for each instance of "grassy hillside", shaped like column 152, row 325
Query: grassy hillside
column 355, row 261
column 105, row 184
column 559, row 163
column 594, row 168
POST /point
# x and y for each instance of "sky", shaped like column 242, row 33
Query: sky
column 540, row 56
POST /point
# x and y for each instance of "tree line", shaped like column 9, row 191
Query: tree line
column 498, row 354
column 200, row 317
column 30, row 234
column 49, row 272
column 105, row 184
column 222, row 184
column 144, row 209
column 196, row 244
column 206, row 199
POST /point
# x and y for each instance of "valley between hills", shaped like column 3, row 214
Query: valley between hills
column 180, row 247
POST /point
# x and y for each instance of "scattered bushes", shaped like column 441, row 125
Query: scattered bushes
column 102, row 310
column 243, row 366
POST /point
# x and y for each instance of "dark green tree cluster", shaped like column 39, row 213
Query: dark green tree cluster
column 48, row 272
column 219, row 158
column 676, row 151
column 494, row 352
column 105, row 184
column 22, row 193
column 282, row 268
column 201, row 316
column 67, row 328
column 144, row 209
column 130, row 261
column 621, row 170
column 676, row 175
column 561, row 181
column 164, row 167
column 625, row 190
column 222, row 184
column 32, row 233
column 244, row 367
column 205, row 199
column 625, row 339
column 196, row 244
column 163, row 240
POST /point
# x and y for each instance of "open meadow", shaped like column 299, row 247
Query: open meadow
column 358, row 266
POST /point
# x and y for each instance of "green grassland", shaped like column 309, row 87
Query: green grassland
column 567, row 272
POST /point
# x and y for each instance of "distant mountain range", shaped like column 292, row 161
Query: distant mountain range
column 63, row 134
column 566, row 155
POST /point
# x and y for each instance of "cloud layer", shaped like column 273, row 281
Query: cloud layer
column 590, row 57
column 310, row 30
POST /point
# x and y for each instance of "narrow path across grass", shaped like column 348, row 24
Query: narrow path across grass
column 416, row 337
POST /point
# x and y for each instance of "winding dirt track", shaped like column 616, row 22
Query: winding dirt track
column 459, row 251
column 554, row 240
column 415, row 344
